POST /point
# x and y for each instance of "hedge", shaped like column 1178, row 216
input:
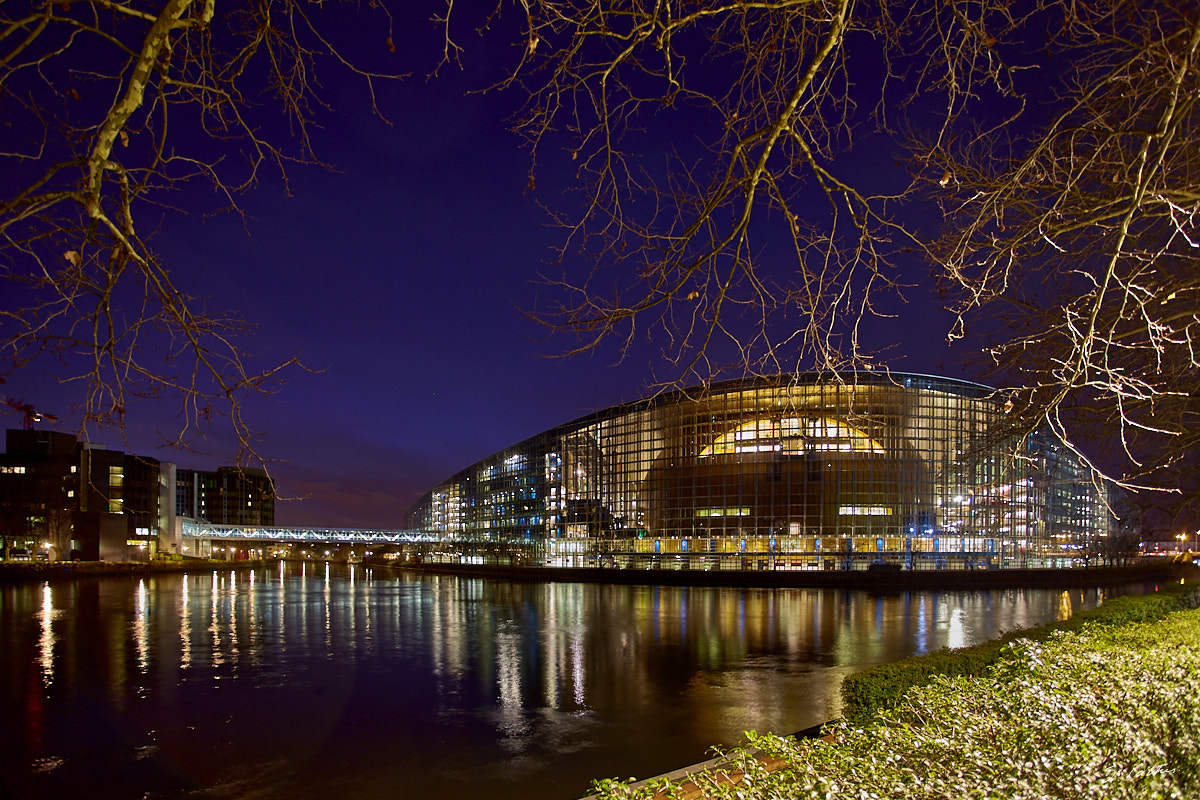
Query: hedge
column 1101, row 712
column 881, row 687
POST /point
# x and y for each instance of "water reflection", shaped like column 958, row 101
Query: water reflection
column 305, row 681
column 1065, row 606
column 141, row 630
column 46, row 640
column 185, row 629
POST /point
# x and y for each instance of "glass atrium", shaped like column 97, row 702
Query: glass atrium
column 795, row 472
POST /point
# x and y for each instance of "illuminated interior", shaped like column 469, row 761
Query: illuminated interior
column 793, row 435
column 798, row 472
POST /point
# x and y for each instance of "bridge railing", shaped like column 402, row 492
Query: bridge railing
column 199, row 529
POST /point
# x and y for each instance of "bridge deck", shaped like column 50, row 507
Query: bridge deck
column 200, row 529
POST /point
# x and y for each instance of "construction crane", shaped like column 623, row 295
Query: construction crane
column 32, row 415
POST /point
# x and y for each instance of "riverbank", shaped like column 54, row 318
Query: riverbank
column 23, row 571
column 1161, row 570
column 899, row 580
column 1001, row 733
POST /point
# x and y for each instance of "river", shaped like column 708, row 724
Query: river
column 326, row 681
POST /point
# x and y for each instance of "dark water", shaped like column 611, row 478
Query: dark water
column 356, row 684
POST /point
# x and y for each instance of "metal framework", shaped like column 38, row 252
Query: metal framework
column 795, row 472
column 199, row 529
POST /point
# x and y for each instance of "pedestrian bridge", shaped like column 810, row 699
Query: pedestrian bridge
column 199, row 529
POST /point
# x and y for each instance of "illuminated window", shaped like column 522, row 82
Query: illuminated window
column 864, row 511
column 793, row 435
column 741, row 511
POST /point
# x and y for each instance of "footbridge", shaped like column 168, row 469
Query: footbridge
column 200, row 529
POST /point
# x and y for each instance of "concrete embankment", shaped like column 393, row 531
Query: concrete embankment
column 901, row 580
column 12, row 572
column 19, row 571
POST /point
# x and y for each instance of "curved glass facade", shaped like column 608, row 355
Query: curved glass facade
column 796, row 472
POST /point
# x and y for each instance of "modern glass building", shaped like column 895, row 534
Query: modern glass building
column 793, row 472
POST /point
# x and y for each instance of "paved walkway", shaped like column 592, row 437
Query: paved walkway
column 726, row 774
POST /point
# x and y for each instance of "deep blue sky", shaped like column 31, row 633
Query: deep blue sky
column 402, row 276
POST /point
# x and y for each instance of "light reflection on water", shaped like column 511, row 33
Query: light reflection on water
column 46, row 639
column 302, row 681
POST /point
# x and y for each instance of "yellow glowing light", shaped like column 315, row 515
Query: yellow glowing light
column 792, row 434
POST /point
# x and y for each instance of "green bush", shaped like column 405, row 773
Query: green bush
column 881, row 687
column 1105, row 712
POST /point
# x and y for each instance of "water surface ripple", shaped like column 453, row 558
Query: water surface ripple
column 318, row 681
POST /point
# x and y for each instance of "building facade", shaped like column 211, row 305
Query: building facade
column 228, row 496
column 40, row 486
column 795, row 472
column 60, row 498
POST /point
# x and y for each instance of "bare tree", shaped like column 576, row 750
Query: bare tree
column 1080, row 235
column 711, row 148
column 1039, row 157
column 112, row 109
column 58, row 528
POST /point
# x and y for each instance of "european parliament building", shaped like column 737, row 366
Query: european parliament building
column 793, row 472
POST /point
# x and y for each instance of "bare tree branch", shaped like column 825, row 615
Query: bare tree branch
column 183, row 81
column 1050, row 186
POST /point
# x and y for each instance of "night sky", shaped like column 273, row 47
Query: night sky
column 401, row 276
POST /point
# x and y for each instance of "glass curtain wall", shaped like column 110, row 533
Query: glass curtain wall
column 794, row 473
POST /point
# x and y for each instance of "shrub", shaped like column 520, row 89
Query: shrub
column 1108, row 712
column 883, row 686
